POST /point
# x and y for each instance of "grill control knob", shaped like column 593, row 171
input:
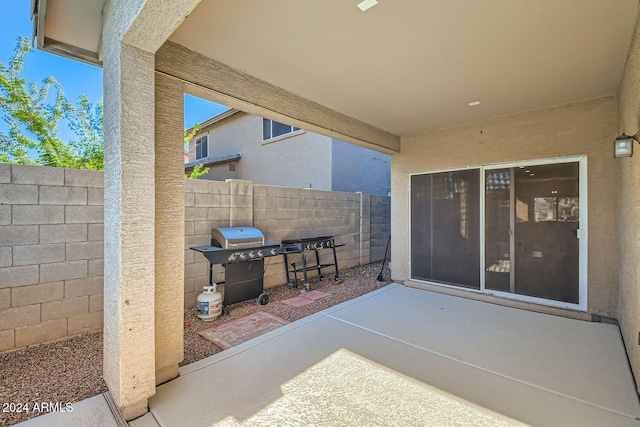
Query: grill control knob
column 243, row 255
column 260, row 254
column 232, row 258
column 252, row 254
column 273, row 252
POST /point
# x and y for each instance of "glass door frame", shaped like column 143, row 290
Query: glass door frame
column 582, row 233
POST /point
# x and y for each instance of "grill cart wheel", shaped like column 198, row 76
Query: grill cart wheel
column 263, row 299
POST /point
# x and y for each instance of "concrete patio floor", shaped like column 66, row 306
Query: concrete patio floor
column 403, row 356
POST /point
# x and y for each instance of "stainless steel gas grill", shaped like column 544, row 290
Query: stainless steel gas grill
column 302, row 246
column 241, row 251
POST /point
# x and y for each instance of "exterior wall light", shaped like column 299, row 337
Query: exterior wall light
column 623, row 145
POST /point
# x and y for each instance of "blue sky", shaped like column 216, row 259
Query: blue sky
column 76, row 78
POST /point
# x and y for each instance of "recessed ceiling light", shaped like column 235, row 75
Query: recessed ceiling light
column 474, row 103
column 367, row 4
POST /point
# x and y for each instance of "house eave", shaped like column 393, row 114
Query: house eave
column 38, row 15
column 216, row 119
column 212, row 161
column 69, row 51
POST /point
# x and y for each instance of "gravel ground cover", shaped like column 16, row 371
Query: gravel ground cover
column 71, row 370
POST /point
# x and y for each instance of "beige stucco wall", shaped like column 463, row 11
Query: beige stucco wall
column 629, row 211
column 582, row 128
column 294, row 161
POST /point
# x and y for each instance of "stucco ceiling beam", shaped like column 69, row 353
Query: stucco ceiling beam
column 218, row 82
column 145, row 24
column 155, row 22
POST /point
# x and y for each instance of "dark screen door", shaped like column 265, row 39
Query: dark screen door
column 531, row 231
column 445, row 224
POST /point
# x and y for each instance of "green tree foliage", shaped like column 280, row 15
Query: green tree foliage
column 86, row 121
column 197, row 172
column 188, row 135
column 33, row 113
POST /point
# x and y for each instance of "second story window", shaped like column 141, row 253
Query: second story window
column 272, row 129
column 202, row 147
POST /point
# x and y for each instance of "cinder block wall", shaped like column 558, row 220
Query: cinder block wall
column 301, row 213
column 380, row 226
column 282, row 213
column 207, row 205
column 52, row 239
column 51, row 254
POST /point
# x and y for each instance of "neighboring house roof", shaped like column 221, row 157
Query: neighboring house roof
column 211, row 161
column 215, row 119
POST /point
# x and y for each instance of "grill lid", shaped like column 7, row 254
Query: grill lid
column 237, row 237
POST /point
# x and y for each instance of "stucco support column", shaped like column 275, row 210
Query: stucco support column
column 133, row 30
column 129, row 356
column 169, row 237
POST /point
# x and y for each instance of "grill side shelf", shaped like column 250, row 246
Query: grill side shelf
column 217, row 255
column 301, row 247
column 213, row 254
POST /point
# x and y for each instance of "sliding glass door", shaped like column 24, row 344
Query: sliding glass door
column 529, row 246
column 532, row 216
column 445, row 224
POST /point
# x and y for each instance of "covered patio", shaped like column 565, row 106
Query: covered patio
column 459, row 93
column 401, row 356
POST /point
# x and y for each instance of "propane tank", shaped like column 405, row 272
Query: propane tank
column 209, row 303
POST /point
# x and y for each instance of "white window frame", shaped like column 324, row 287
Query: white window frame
column 198, row 141
column 583, row 233
column 294, row 131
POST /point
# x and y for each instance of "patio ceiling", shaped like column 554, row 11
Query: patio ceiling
column 405, row 66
